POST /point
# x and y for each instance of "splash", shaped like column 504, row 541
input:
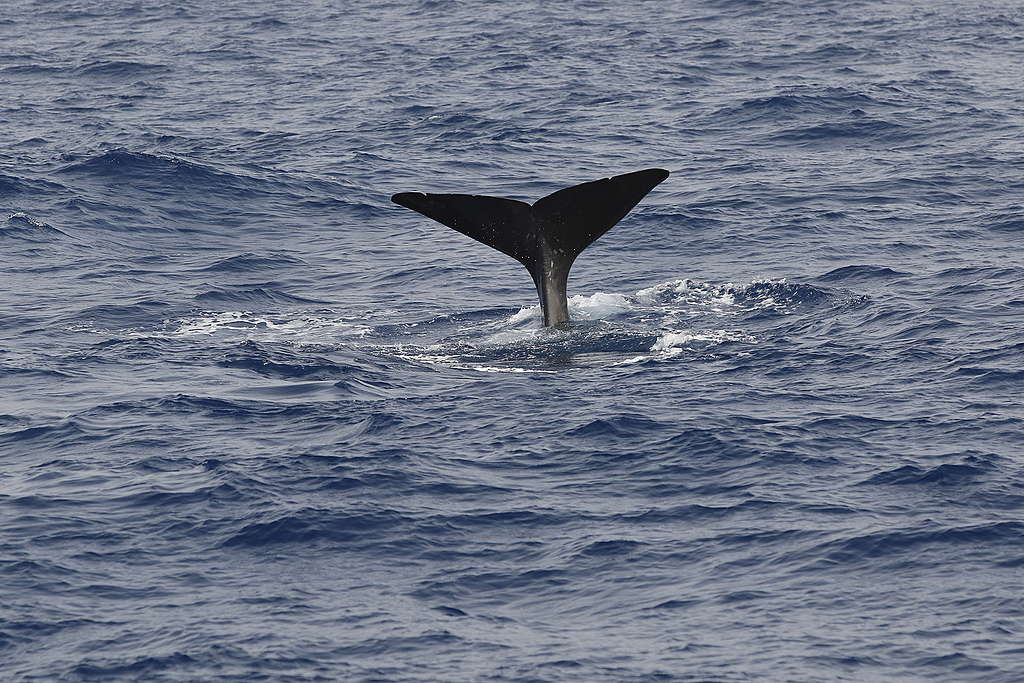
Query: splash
column 597, row 306
column 676, row 319
column 684, row 298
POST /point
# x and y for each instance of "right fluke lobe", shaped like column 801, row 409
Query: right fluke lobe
column 546, row 237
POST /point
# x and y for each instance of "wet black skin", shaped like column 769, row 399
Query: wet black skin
column 547, row 236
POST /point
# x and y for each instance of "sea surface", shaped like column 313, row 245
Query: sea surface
column 258, row 423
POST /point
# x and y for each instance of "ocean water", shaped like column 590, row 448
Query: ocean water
column 259, row 423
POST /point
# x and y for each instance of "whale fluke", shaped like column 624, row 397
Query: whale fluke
column 546, row 237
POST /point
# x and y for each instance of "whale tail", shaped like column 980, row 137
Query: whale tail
column 547, row 236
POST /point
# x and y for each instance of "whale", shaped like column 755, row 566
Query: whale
column 546, row 236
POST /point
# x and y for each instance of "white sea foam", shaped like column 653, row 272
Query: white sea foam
column 489, row 368
column 510, row 337
column 597, row 306
column 526, row 314
column 671, row 344
column 700, row 296
column 655, row 293
column 670, row 340
column 260, row 327
column 434, row 355
column 21, row 215
column 676, row 299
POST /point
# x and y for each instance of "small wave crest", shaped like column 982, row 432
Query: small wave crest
column 249, row 262
column 21, row 226
column 119, row 69
column 323, row 326
column 161, row 171
column 250, row 297
column 163, row 178
column 796, row 104
column 776, row 295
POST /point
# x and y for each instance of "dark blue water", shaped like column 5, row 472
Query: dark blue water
column 259, row 423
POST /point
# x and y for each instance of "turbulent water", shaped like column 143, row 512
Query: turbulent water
column 259, row 423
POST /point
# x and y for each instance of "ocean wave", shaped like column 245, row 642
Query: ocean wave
column 628, row 426
column 947, row 474
column 282, row 363
column 119, row 69
column 11, row 185
column 876, row 131
column 255, row 296
column 151, row 497
column 26, row 631
column 12, row 371
column 898, row 544
column 162, row 173
column 105, row 667
column 862, row 273
column 798, row 104
column 123, row 315
column 32, row 70
column 201, row 197
column 1005, row 222
column 56, row 436
column 268, row 23
column 992, row 376
column 305, row 327
column 249, row 262
column 310, row 525
column 23, row 227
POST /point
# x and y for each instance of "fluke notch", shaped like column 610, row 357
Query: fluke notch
column 546, row 237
